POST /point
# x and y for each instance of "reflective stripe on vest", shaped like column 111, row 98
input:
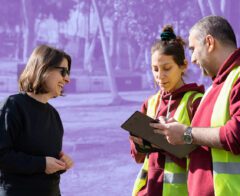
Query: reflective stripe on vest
column 174, row 175
column 226, row 165
column 175, row 178
column 141, row 178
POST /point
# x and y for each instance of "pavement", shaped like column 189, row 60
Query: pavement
column 99, row 147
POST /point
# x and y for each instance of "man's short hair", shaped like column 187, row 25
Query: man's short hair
column 216, row 26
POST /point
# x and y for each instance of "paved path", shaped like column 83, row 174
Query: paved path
column 99, row 147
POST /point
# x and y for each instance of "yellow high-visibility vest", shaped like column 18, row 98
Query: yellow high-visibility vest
column 175, row 177
column 226, row 165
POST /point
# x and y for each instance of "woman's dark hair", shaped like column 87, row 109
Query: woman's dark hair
column 43, row 59
column 170, row 44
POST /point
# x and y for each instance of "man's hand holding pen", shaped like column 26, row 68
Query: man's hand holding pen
column 171, row 129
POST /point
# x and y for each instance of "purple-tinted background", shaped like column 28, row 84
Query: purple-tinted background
column 109, row 42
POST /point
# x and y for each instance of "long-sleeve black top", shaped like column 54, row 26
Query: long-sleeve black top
column 29, row 131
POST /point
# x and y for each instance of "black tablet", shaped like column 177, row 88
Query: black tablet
column 138, row 124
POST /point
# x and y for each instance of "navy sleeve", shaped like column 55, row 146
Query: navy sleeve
column 11, row 159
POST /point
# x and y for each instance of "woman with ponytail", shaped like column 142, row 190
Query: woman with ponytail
column 162, row 173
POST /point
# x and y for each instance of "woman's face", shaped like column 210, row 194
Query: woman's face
column 57, row 78
column 167, row 74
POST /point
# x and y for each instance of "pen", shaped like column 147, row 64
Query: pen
column 168, row 109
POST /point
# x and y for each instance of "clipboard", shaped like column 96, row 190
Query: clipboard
column 138, row 125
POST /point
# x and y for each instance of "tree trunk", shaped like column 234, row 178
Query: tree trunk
column 215, row 7
column 116, row 99
column 231, row 10
column 88, row 54
column 130, row 55
column 139, row 58
column 86, row 60
column 113, row 42
column 25, row 31
column 28, row 30
column 203, row 8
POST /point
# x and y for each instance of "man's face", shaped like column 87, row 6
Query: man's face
column 200, row 55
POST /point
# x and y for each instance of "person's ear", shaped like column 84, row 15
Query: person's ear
column 184, row 66
column 210, row 42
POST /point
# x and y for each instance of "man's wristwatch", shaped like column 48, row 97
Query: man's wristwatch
column 187, row 136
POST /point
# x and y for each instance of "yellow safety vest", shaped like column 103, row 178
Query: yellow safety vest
column 175, row 177
column 226, row 165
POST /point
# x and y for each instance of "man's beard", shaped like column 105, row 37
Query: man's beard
column 204, row 72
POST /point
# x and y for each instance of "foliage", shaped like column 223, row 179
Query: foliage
column 143, row 20
column 9, row 11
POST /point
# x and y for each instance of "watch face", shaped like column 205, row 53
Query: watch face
column 188, row 139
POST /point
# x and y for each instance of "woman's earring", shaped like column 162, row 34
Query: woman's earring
column 155, row 84
column 182, row 78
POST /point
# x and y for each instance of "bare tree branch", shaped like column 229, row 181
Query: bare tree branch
column 215, row 7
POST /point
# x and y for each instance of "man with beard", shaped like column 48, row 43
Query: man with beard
column 214, row 167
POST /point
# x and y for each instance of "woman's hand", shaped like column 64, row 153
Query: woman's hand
column 53, row 165
column 66, row 159
column 141, row 142
column 136, row 140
